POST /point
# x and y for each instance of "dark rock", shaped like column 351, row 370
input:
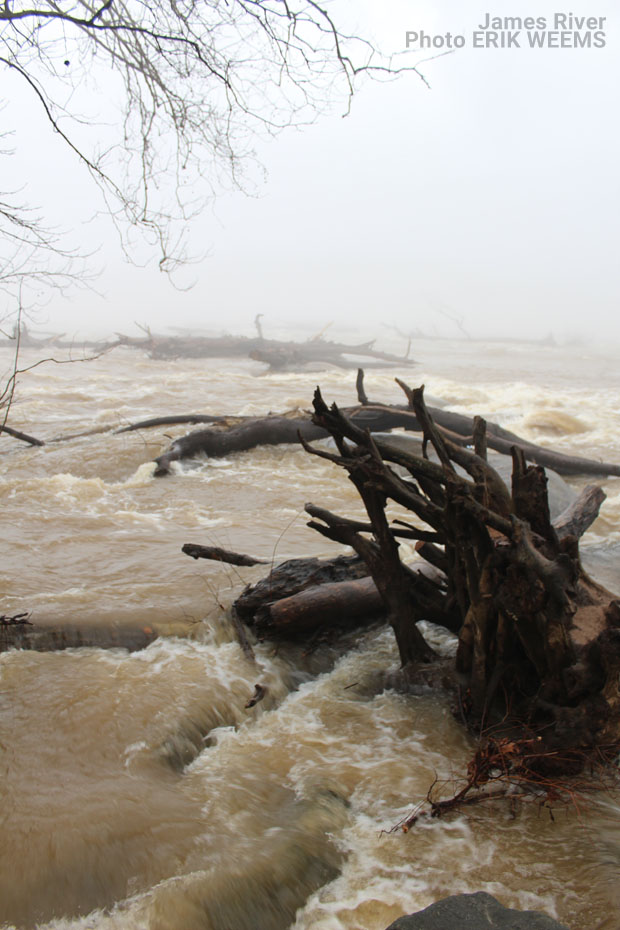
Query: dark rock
column 478, row 911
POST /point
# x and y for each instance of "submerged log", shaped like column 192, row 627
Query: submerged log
column 24, row 437
column 241, row 435
column 46, row 638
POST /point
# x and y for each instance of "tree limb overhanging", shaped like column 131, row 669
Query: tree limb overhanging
column 195, row 83
column 159, row 105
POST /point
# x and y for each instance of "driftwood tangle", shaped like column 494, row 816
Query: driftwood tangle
column 303, row 597
column 539, row 641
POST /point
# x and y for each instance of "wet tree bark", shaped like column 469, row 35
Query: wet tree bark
column 238, row 434
column 333, row 606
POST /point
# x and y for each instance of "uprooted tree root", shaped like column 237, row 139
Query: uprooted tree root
column 506, row 768
column 538, row 657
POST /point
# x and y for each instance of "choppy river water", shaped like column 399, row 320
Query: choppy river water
column 137, row 791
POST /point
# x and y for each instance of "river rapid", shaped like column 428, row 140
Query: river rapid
column 137, row 790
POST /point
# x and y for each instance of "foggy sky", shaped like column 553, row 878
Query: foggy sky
column 492, row 197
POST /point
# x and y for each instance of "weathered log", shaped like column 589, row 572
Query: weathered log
column 171, row 421
column 216, row 442
column 336, row 604
column 293, row 356
column 278, row 354
column 295, row 601
column 236, row 434
column 293, row 576
column 245, row 433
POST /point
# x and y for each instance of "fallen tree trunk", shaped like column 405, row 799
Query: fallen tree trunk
column 243, row 433
column 236, row 434
column 462, row 429
column 301, row 596
column 230, row 434
column 278, row 354
column 171, row 421
column 294, row 356
column 334, row 605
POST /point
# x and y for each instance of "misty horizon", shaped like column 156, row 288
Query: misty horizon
column 490, row 198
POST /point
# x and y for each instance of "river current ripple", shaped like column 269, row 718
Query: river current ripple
column 137, row 789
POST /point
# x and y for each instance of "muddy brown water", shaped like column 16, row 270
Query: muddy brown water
column 137, row 791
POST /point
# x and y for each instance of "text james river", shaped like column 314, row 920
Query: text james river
column 562, row 30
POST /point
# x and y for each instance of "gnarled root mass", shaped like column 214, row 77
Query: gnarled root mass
column 537, row 668
column 538, row 640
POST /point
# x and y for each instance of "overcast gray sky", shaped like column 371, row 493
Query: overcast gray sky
column 493, row 196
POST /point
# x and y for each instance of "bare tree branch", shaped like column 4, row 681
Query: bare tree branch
column 197, row 80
